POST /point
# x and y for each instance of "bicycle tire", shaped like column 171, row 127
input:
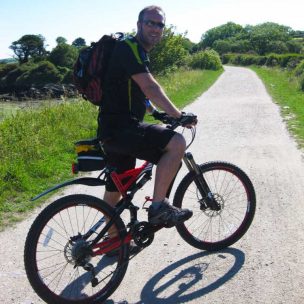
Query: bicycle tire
column 48, row 253
column 215, row 230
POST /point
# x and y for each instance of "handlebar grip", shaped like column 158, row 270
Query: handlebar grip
column 187, row 119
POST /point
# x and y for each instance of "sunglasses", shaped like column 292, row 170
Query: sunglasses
column 154, row 24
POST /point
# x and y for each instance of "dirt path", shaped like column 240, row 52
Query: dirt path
column 238, row 123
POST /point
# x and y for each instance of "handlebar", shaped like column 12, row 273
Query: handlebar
column 172, row 123
column 188, row 120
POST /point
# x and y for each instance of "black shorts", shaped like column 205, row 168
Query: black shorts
column 142, row 141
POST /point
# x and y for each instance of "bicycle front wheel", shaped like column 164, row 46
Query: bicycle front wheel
column 234, row 193
column 58, row 262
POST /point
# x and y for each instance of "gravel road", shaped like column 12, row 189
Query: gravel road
column 239, row 123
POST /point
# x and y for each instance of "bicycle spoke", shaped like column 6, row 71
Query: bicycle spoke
column 56, row 254
column 230, row 189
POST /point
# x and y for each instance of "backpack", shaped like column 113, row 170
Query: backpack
column 91, row 66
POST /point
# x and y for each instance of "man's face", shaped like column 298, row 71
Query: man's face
column 151, row 28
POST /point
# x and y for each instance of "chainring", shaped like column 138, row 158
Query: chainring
column 142, row 234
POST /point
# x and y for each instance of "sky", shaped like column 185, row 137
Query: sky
column 90, row 19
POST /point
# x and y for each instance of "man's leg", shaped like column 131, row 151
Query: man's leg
column 161, row 211
column 112, row 198
column 168, row 166
column 111, row 195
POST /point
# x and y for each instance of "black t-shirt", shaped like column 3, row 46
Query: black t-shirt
column 123, row 101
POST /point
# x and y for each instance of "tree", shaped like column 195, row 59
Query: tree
column 79, row 42
column 64, row 55
column 188, row 44
column 169, row 53
column 262, row 36
column 29, row 46
column 61, row 40
column 221, row 32
column 278, row 47
column 222, row 46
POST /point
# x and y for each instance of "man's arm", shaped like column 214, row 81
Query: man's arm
column 155, row 93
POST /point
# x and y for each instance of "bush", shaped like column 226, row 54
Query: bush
column 45, row 72
column 226, row 58
column 299, row 70
column 66, row 74
column 283, row 60
column 68, row 77
column 205, row 60
column 6, row 68
column 302, row 83
column 8, row 82
column 62, row 70
column 295, row 46
column 272, row 60
column 290, row 59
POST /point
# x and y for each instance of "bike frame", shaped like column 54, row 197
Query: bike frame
column 128, row 183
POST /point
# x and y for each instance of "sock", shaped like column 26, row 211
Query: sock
column 156, row 205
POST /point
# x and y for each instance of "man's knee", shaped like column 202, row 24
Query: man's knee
column 177, row 144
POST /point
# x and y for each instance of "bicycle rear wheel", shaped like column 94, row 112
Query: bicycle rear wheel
column 233, row 191
column 54, row 247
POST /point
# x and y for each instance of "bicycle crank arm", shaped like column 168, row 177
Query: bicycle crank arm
column 110, row 244
column 115, row 242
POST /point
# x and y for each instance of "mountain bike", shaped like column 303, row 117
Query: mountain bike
column 66, row 250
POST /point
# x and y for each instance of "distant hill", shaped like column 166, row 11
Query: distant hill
column 8, row 60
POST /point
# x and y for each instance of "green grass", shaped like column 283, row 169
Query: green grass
column 183, row 87
column 7, row 109
column 36, row 152
column 285, row 91
column 37, row 145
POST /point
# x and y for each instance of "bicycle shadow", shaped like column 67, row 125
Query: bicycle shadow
column 85, row 279
column 179, row 285
column 179, row 291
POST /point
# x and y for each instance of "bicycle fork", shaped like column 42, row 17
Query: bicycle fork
column 201, row 183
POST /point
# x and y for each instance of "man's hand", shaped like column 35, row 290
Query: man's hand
column 162, row 116
column 188, row 120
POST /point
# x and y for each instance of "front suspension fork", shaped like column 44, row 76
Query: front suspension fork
column 200, row 182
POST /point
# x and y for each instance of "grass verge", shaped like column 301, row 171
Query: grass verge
column 284, row 89
column 37, row 145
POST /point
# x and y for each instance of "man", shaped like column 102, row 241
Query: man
column 126, row 87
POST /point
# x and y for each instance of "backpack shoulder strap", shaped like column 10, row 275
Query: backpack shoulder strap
column 133, row 44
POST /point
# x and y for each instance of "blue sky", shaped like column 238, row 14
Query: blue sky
column 91, row 19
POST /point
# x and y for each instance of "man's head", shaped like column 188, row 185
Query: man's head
column 150, row 26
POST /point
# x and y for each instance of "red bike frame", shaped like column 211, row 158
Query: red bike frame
column 123, row 182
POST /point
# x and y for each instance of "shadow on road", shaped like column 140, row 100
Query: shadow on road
column 189, row 279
